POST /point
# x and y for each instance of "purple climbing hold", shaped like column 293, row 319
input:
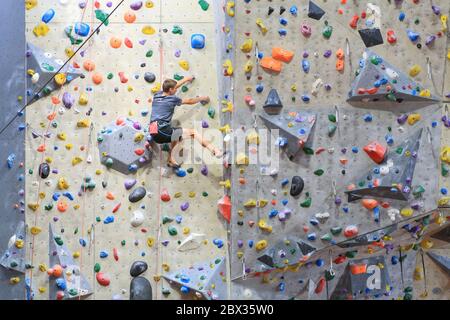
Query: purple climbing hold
column 184, row 206
column 129, row 183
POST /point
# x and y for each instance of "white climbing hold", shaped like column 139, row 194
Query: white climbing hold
column 193, row 241
column 137, row 219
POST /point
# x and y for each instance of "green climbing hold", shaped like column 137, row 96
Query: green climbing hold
column 351, row 254
column 76, row 230
column 166, row 219
column 172, row 231
column 417, row 192
column 399, row 150
column 49, row 207
column 184, row 89
column 123, row 242
column 319, row 172
column 391, row 97
column 332, row 117
column 211, row 112
column 58, row 240
column 13, row 264
column 327, row 31
column 110, row 76
column 97, row 267
column 102, row 16
column 30, row 171
column 204, row 5
column 165, row 292
column 308, row 151
column 149, row 53
column 98, row 219
column 307, row 202
column 178, row 77
column 426, row 220
column 73, row 292
column 374, row 60
column 190, row 170
column 329, row 276
column 109, row 162
column 335, row 230
column 205, row 194
column 177, row 30
column 332, row 129
column 444, row 170
column 326, row 237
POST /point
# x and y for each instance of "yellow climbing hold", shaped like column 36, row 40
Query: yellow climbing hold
column 63, row 184
column 413, row 118
column 76, row 254
column 262, row 203
column 263, row 226
column 226, row 184
column 19, row 243
column 225, row 129
column 156, row 88
column 84, row 123
column 150, row 242
column 253, row 137
column 76, row 160
column 42, row 289
column 425, row 93
column 445, row 154
column 242, row 159
column 415, row 70
column 248, row 67
column 14, row 280
column 239, row 254
column 262, row 27
column 83, row 99
column 165, row 267
column 228, row 106
column 69, row 52
column 250, row 203
column 41, row 30
column 69, row 146
column 228, row 65
column 30, row 4
column 191, row 194
column 42, row 267
column 186, row 230
column 148, row 30
column 426, row 244
column 230, row 8
column 35, row 230
column 138, row 137
column 406, row 212
column 261, row 245
column 33, row 206
column 247, row 46
column 418, row 274
column 178, row 194
column 444, row 19
column 60, row 79
column 62, row 136
column 184, row 65
column 48, row 159
column 149, row 4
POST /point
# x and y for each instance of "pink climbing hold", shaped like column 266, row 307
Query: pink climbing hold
column 122, row 77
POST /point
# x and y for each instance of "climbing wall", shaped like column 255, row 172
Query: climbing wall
column 307, row 233
column 93, row 216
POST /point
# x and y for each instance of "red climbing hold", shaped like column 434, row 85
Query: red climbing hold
column 224, row 205
column 115, row 254
column 165, row 195
column 102, row 279
column 116, row 208
column 320, row 286
column 139, row 152
column 354, row 22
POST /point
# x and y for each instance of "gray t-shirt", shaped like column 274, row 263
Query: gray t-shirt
column 163, row 107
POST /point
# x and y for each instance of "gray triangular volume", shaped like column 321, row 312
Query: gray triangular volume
column 378, row 83
column 314, row 11
column 400, row 163
column 443, row 235
column 273, row 103
column 358, row 284
column 290, row 250
column 208, row 279
column 14, row 256
column 295, row 128
column 368, row 238
column 76, row 284
column 371, row 37
column 442, row 261
column 46, row 68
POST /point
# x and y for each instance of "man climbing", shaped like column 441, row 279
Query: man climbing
column 163, row 108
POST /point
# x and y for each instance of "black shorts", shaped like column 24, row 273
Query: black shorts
column 167, row 134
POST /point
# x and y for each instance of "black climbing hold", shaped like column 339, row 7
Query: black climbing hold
column 314, row 11
column 138, row 268
column 282, row 10
column 271, row 10
column 137, row 195
column 371, row 37
column 297, row 186
column 140, row 289
column 44, row 170
column 149, row 77
column 273, row 103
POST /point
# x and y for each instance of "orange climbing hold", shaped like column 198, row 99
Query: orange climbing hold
column 358, row 268
column 110, row 196
column 271, row 65
column 129, row 17
column 41, row 148
column 340, row 63
column 282, row 54
column 376, row 151
column 55, row 271
column 115, row 42
column 369, row 204
column 89, row 65
column 51, row 116
column 97, row 78
column 55, row 100
column 225, row 207
column 62, row 206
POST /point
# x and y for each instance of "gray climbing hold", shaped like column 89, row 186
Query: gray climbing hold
column 138, row 268
column 149, row 77
column 137, row 195
column 140, row 289
column 297, row 186
column 44, row 170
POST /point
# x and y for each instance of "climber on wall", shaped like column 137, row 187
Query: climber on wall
column 163, row 108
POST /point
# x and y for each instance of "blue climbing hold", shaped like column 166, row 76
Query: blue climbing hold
column 320, row 262
column 108, row 220
column 103, row 254
column 198, row 41
column 293, row 10
column 48, row 15
column 305, row 65
column 10, row 160
column 401, row 16
column 184, row 289
column 61, row 283
column 82, row 29
column 180, row 173
column 283, row 21
column 259, row 88
column 413, row 36
column 312, row 236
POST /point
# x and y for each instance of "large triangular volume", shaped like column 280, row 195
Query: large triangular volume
column 208, row 279
column 294, row 128
column 443, row 235
column 363, row 278
column 371, row 37
column 284, row 253
column 71, row 281
column 41, row 69
column 378, row 83
column 314, row 11
column 393, row 178
column 368, row 238
column 14, row 256
column 441, row 260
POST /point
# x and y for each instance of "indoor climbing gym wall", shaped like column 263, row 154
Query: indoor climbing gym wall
column 354, row 95
column 107, row 218
column 333, row 115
